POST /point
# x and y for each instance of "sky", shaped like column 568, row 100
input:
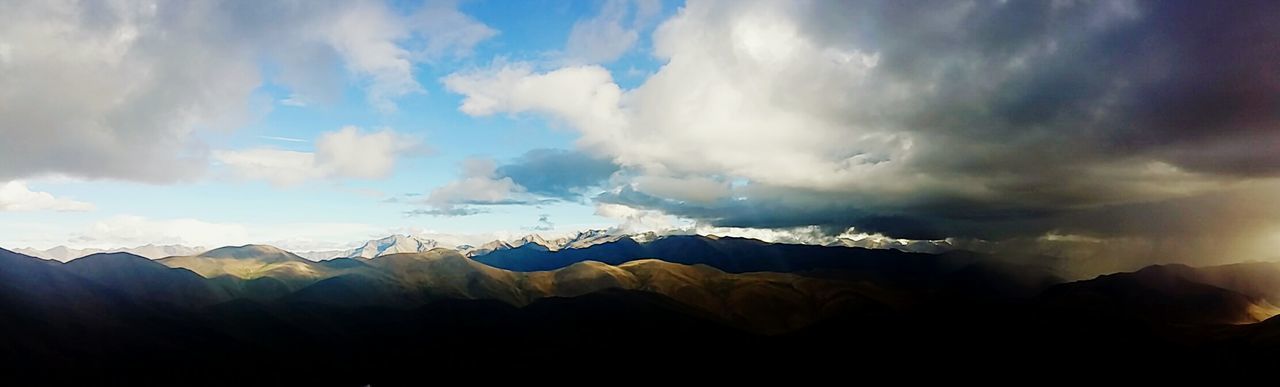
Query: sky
column 1109, row 132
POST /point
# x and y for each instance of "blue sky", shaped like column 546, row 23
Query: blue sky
column 534, row 31
column 1055, row 128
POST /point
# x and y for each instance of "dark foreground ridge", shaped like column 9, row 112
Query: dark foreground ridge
column 436, row 316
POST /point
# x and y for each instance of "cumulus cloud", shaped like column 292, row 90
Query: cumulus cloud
column 984, row 120
column 16, row 196
column 346, row 153
column 118, row 89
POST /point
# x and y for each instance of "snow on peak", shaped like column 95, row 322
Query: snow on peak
column 394, row 244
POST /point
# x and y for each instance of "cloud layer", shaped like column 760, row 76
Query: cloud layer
column 976, row 120
column 538, row 176
column 16, row 196
column 345, row 153
column 117, row 89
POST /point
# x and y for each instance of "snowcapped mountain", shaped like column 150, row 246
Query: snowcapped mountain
column 931, row 247
column 394, row 244
column 578, row 240
column 486, row 248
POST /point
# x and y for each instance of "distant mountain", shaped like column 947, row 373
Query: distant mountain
column 536, row 242
column 394, row 244
column 931, row 247
column 724, row 253
column 486, row 248
column 63, row 253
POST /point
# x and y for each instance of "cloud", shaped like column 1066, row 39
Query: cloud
column 16, row 196
column 989, row 120
column 605, row 37
column 447, row 212
column 447, row 31
column 366, row 38
column 280, row 167
column 119, row 90
column 637, row 220
column 585, row 95
column 478, row 186
column 537, row 177
column 285, row 139
column 132, row 230
column 348, row 153
column 544, row 223
column 557, row 173
column 914, row 128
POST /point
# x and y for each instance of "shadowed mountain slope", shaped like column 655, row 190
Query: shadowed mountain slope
column 390, row 319
column 147, row 279
column 1172, row 294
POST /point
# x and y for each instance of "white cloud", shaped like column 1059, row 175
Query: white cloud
column 607, row 36
column 16, row 196
column 586, row 97
column 352, row 153
column 346, row 153
column 447, row 31
column 279, row 138
column 129, row 230
column 634, row 220
column 132, row 230
column 366, row 37
column 294, row 100
column 124, row 85
column 280, row 167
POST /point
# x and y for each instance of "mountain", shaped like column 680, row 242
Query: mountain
column 725, row 253
column 487, row 248
column 537, row 241
column 1167, row 294
column 387, row 319
column 394, row 244
column 251, row 262
column 63, row 253
column 758, row 302
column 146, row 279
column 931, row 247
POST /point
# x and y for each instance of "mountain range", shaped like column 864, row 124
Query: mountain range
column 398, row 243
column 673, row 301
column 63, row 253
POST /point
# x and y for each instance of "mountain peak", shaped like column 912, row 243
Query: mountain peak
column 248, row 251
column 392, row 244
column 114, row 256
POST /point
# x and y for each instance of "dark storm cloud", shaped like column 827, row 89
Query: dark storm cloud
column 1103, row 118
column 557, row 173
